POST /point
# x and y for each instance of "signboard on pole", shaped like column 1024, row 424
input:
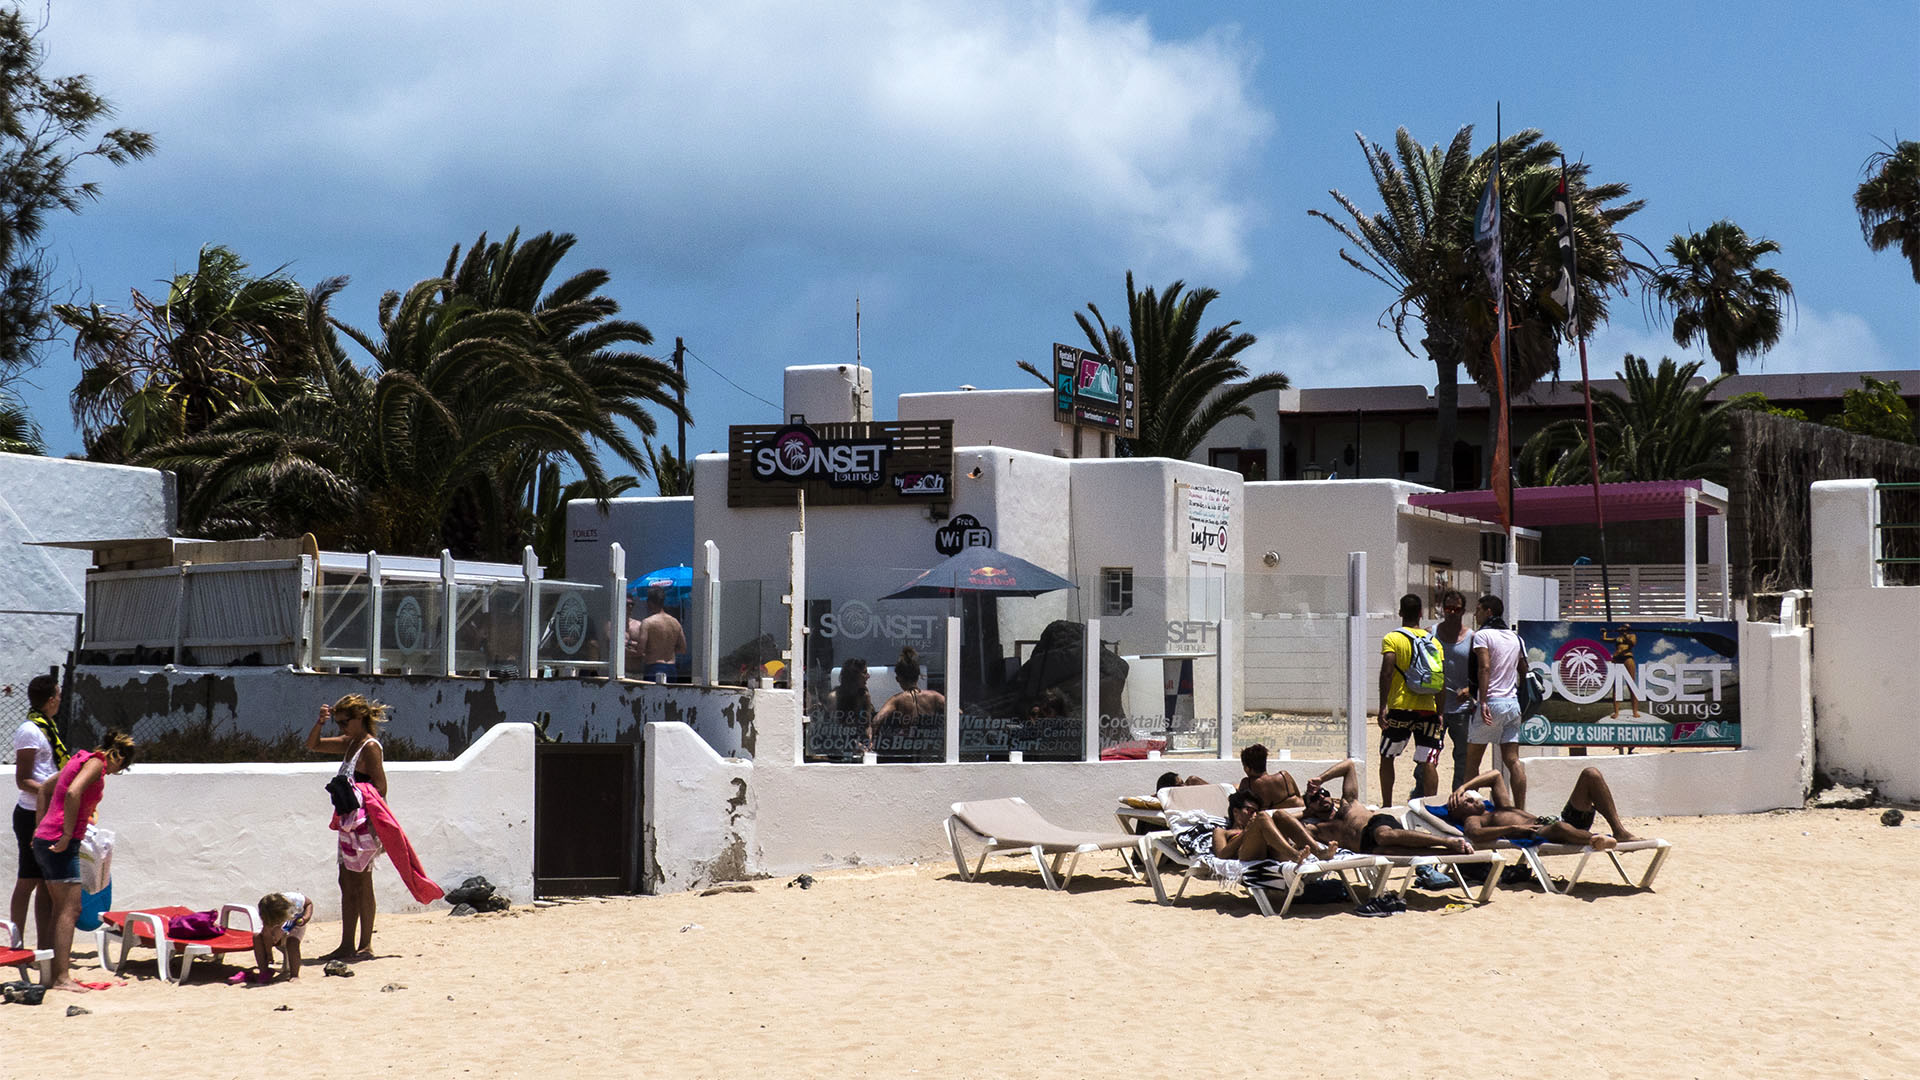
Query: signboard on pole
column 1094, row 391
column 1640, row 683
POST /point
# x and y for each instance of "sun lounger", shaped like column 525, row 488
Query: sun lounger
column 1010, row 825
column 1422, row 816
column 1212, row 799
column 12, row 955
column 120, row 931
column 1410, row 865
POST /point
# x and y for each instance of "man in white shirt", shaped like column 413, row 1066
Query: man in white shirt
column 1500, row 661
column 34, row 759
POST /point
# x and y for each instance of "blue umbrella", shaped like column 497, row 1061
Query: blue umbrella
column 677, row 580
column 982, row 570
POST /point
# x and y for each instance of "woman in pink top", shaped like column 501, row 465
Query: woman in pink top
column 67, row 802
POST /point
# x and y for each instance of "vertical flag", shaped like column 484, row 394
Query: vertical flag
column 1486, row 240
column 1563, row 293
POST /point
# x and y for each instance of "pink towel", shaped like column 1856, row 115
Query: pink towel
column 399, row 848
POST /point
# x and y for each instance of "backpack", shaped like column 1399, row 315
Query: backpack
column 1427, row 673
column 1533, row 691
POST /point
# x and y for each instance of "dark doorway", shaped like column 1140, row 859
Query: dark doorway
column 1466, row 466
column 586, row 819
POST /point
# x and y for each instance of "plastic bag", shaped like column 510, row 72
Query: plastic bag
column 96, row 859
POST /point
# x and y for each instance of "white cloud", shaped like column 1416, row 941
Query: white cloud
column 1814, row 341
column 729, row 124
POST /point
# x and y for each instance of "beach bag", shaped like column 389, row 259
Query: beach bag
column 194, row 926
column 96, row 859
column 1427, row 672
column 1533, row 691
column 92, row 906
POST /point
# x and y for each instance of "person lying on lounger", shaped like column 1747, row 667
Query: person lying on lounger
column 1487, row 820
column 1349, row 822
column 1273, row 791
column 1250, row 834
column 1174, row 779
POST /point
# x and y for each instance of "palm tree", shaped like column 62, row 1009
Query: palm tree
column 1666, row 427
column 578, row 328
column 550, row 512
column 1888, row 201
column 1720, row 294
column 1421, row 246
column 671, row 475
column 18, row 433
column 1188, row 380
column 166, row 370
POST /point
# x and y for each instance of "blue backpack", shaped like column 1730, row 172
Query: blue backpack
column 1427, row 672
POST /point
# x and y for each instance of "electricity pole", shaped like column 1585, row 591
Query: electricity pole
column 680, row 369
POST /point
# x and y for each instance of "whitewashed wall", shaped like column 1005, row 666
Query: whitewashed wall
column 654, row 532
column 1862, row 694
column 56, row 499
column 1012, row 419
column 206, row 835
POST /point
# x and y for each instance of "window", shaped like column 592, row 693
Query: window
column 1116, row 590
column 1250, row 464
column 1409, row 462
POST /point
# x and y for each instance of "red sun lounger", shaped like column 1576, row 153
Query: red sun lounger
column 120, row 931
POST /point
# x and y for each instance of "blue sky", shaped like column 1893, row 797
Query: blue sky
column 975, row 172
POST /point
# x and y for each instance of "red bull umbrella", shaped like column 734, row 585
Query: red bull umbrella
column 982, row 570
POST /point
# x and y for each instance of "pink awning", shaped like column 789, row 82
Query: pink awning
column 1650, row 500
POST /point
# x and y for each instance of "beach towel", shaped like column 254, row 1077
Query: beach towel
column 375, row 817
column 195, row 926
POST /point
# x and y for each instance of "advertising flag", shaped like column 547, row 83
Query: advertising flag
column 1486, row 232
column 1563, row 228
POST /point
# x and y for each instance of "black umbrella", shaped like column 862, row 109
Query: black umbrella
column 982, row 570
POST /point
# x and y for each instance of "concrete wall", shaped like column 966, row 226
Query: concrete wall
column 829, row 393
column 1861, row 696
column 206, row 835
column 654, row 532
column 55, row 499
column 1014, row 419
column 439, row 715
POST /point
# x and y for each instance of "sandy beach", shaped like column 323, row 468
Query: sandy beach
column 1776, row 945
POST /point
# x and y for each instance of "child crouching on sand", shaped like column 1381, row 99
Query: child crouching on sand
column 283, row 922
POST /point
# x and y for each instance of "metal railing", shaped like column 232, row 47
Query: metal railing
column 1639, row 590
column 1896, row 536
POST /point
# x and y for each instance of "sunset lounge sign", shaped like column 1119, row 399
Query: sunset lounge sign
column 850, row 463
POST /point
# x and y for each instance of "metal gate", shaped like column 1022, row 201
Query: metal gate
column 586, row 823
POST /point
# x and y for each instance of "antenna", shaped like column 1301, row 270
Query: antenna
column 857, row 368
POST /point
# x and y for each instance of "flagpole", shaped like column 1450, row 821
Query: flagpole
column 1572, row 269
column 1505, row 451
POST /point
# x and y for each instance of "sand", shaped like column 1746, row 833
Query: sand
column 1776, row 945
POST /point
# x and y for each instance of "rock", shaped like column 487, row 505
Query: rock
column 495, row 902
column 462, row 909
column 391, row 987
column 1892, row 819
column 718, row 889
column 283, row 1008
column 338, row 968
column 1842, row 797
column 75, row 1010
column 805, row 881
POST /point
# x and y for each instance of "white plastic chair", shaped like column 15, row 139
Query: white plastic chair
column 154, row 922
column 1011, row 826
column 15, row 956
column 1421, row 816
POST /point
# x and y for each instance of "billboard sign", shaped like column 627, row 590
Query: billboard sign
column 1638, row 683
column 1093, row 391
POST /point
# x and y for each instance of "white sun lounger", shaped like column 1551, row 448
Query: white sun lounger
column 1212, row 799
column 1420, row 816
column 1010, row 825
column 1494, row 861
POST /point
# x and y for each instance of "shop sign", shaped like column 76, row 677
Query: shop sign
column 1208, row 510
column 1634, row 683
column 963, row 531
column 1094, row 391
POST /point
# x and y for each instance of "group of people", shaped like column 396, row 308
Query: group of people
column 1477, row 705
column 59, row 794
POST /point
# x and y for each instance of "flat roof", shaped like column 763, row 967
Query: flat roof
column 1648, row 500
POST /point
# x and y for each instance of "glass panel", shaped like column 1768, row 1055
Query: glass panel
column 488, row 636
column 1292, row 691
column 573, row 628
column 752, row 632
column 1160, row 668
column 864, row 690
column 410, row 626
column 345, row 616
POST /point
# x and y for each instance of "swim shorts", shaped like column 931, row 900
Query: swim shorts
column 58, row 866
column 1424, row 729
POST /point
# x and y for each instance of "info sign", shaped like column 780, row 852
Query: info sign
column 1640, row 683
column 1094, row 391
column 1208, row 510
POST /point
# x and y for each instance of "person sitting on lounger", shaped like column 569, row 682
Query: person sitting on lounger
column 1349, row 823
column 1487, row 820
column 1273, row 791
column 1250, row 834
column 1174, row 779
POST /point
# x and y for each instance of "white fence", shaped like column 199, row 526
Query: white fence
column 219, row 613
column 1639, row 590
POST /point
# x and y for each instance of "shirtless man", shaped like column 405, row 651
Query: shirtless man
column 1484, row 822
column 1250, row 834
column 1271, row 791
column 1352, row 825
column 655, row 642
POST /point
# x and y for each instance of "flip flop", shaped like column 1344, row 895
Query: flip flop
column 99, row 985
